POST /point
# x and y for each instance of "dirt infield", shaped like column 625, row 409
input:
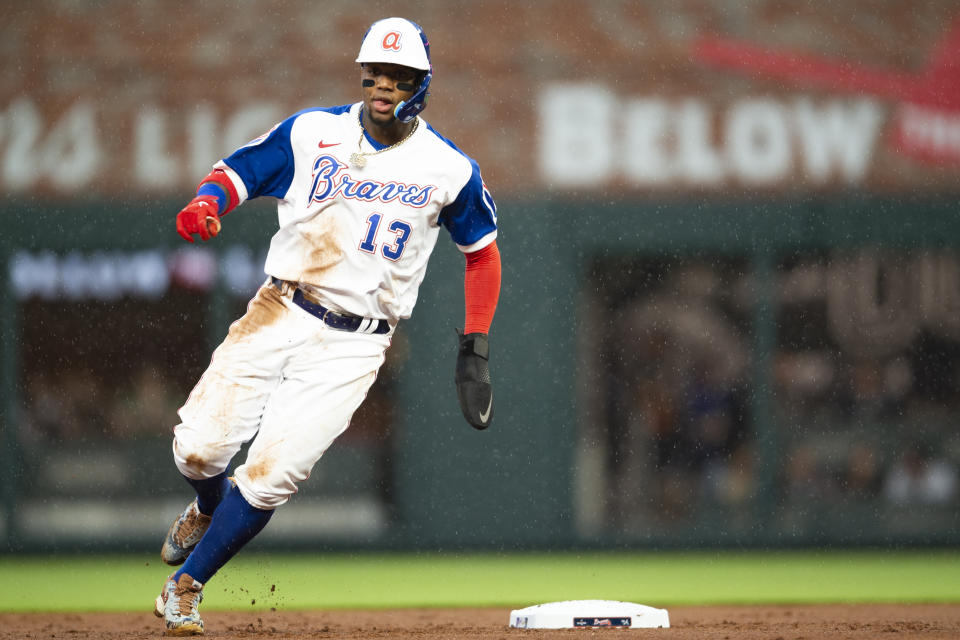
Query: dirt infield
column 853, row 622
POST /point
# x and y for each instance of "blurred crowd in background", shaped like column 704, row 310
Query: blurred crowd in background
column 676, row 361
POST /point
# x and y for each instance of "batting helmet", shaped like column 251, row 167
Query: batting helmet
column 400, row 41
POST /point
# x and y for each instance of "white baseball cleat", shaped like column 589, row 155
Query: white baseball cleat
column 177, row 605
column 184, row 534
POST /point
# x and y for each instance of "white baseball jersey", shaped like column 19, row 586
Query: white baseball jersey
column 360, row 238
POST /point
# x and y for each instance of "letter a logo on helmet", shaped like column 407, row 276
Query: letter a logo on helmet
column 400, row 41
column 392, row 41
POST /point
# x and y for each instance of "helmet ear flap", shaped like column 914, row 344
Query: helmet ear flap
column 407, row 110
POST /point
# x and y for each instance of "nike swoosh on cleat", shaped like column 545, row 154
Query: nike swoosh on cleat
column 324, row 146
column 486, row 414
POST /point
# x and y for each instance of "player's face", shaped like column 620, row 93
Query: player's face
column 385, row 85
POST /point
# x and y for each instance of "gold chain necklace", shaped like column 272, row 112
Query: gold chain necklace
column 359, row 159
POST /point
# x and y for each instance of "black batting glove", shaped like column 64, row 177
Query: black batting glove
column 473, row 379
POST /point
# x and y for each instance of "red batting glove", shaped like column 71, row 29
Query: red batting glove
column 199, row 216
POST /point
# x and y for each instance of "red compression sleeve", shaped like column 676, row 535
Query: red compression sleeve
column 481, row 288
column 220, row 186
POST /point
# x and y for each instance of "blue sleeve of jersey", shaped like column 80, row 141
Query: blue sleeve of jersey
column 473, row 214
column 266, row 164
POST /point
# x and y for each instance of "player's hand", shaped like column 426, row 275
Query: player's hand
column 199, row 216
column 473, row 379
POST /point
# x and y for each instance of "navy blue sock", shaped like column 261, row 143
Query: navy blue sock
column 234, row 524
column 210, row 492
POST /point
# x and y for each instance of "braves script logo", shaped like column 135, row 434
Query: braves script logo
column 391, row 41
column 928, row 116
column 328, row 182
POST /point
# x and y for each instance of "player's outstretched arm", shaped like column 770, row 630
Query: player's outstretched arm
column 481, row 292
column 216, row 196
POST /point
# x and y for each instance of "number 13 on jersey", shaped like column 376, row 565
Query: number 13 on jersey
column 393, row 250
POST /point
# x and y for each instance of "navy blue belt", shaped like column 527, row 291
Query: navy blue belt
column 331, row 318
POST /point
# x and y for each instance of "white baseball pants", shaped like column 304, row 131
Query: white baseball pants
column 283, row 376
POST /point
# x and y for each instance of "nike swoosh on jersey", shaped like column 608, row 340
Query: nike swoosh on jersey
column 324, row 146
column 486, row 414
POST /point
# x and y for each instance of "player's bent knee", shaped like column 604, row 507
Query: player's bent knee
column 199, row 460
column 264, row 490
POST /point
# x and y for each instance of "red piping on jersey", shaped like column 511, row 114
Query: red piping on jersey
column 481, row 288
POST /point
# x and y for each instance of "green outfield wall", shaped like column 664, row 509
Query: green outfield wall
column 430, row 480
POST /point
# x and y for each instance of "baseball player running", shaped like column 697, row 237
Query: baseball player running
column 362, row 192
